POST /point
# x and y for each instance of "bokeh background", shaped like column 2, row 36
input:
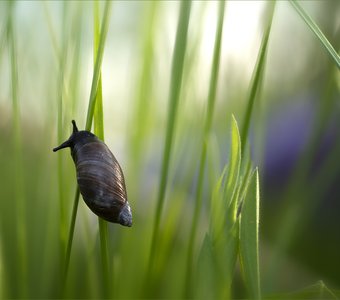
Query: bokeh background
column 46, row 56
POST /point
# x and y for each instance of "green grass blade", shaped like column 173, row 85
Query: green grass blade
column 249, row 237
column 226, row 250
column 317, row 31
column 234, row 169
column 218, row 207
column 51, row 31
column 215, row 69
column 71, row 233
column 174, row 93
column 142, row 109
column 90, row 112
column 205, row 273
column 315, row 291
column 19, row 204
column 99, row 131
column 98, row 64
column 224, row 200
column 207, row 127
column 224, row 238
column 61, row 101
column 256, row 81
column 223, row 226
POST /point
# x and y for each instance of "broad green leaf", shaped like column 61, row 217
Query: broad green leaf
column 249, row 237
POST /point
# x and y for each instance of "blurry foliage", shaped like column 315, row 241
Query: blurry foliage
column 46, row 70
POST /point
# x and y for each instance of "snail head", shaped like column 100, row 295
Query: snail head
column 71, row 140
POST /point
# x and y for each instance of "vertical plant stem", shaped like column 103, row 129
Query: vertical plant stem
column 19, row 189
column 90, row 112
column 256, row 81
column 62, row 200
column 249, row 237
column 207, row 128
column 99, row 131
column 98, row 64
column 71, row 232
column 174, row 94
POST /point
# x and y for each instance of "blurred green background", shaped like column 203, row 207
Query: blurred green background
column 46, row 58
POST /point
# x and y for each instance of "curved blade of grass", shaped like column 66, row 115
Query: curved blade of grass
column 207, row 127
column 249, row 237
column 142, row 110
column 218, row 207
column 315, row 291
column 256, row 81
column 99, row 131
column 98, row 64
column 224, row 238
column 61, row 100
column 224, row 200
column 234, row 171
column 205, row 273
column 20, row 206
column 224, row 228
column 174, row 93
column 90, row 112
column 226, row 250
column 317, row 31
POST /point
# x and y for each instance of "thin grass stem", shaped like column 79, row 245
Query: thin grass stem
column 207, row 128
column 174, row 94
column 256, row 81
column 317, row 31
column 90, row 112
column 99, row 131
column 19, row 189
column 98, row 64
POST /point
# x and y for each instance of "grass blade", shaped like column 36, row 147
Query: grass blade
column 317, row 31
column 20, row 206
column 315, row 291
column 224, row 224
column 224, row 195
column 98, row 64
column 234, row 170
column 90, row 112
column 174, row 93
column 249, row 237
column 99, row 131
column 207, row 127
column 61, row 100
column 256, row 81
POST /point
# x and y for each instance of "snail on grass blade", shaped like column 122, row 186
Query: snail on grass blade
column 100, row 178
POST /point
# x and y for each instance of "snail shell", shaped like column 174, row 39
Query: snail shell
column 100, row 177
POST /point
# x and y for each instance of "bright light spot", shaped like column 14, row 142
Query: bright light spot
column 241, row 27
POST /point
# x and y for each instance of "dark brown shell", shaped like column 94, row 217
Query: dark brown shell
column 100, row 177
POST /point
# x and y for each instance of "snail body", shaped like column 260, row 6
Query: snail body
column 99, row 176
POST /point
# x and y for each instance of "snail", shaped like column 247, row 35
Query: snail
column 99, row 176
